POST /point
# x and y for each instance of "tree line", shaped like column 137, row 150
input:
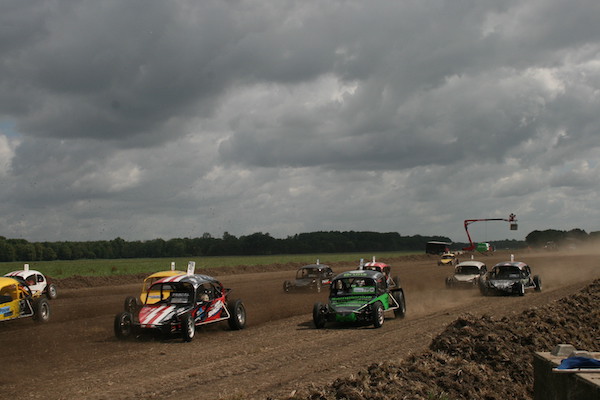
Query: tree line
column 255, row 244
column 229, row 245
column 555, row 239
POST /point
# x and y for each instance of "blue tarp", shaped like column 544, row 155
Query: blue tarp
column 579, row 362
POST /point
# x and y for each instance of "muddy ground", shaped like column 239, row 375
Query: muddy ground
column 452, row 344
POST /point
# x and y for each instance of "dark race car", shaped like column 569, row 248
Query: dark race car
column 310, row 277
column 511, row 278
column 184, row 302
column 361, row 296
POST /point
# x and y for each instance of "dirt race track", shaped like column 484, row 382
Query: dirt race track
column 76, row 354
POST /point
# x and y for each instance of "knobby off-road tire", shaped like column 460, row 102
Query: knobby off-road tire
column 399, row 297
column 319, row 317
column 123, row 325
column 483, row 289
column 51, row 292
column 41, row 310
column 237, row 315
column 378, row 314
column 130, row 304
column 188, row 327
column 287, row 286
column 520, row 289
column 538, row 283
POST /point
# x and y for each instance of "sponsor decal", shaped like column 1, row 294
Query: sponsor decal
column 215, row 308
column 6, row 312
column 156, row 315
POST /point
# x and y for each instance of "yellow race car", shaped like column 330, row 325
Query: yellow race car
column 148, row 296
column 17, row 301
column 448, row 259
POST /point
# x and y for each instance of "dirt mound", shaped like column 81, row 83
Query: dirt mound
column 477, row 358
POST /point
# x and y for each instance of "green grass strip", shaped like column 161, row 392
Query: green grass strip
column 131, row 266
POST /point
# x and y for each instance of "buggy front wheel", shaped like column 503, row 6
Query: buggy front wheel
column 378, row 314
column 41, row 310
column 123, row 325
column 237, row 315
column 188, row 328
column 51, row 291
column 400, row 312
column 319, row 317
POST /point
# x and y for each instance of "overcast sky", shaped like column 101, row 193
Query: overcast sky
column 146, row 119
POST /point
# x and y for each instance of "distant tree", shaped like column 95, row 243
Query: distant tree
column 7, row 251
column 48, row 254
column 258, row 244
column 540, row 238
column 25, row 252
column 594, row 235
column 64, row 252
column 175, row 248
column 577, row 234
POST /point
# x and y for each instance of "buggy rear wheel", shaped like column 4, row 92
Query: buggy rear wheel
column 237, row 315
column 538, row 283
column 378, row 314
column 287, row 286
column 123, row 325
column 51, row 291
column 131, row 304
column 41, row 310
column 319, row 317
column 188, row 327
column 400, row 312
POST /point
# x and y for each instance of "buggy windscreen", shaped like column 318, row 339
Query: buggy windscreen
column 467, row 270
column 509, row 273
column 307, row 273
column 353, row 286
column 171, row 293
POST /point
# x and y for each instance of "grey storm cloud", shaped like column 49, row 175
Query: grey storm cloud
column 145, row 119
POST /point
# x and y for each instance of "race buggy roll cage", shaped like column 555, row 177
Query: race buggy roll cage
column 512, row 218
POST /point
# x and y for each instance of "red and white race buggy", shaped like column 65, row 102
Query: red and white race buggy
column 384, row 268
column 185, row 302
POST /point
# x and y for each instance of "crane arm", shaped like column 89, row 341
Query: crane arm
column 512, row 218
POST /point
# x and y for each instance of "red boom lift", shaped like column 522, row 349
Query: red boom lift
column 512, row 218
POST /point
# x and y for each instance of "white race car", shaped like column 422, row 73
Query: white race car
column 466, row 274
column 36, row 281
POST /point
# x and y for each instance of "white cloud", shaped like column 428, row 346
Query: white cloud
column 7, row 153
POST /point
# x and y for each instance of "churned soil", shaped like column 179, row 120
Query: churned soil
column 477, row 357
column 453, row 344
